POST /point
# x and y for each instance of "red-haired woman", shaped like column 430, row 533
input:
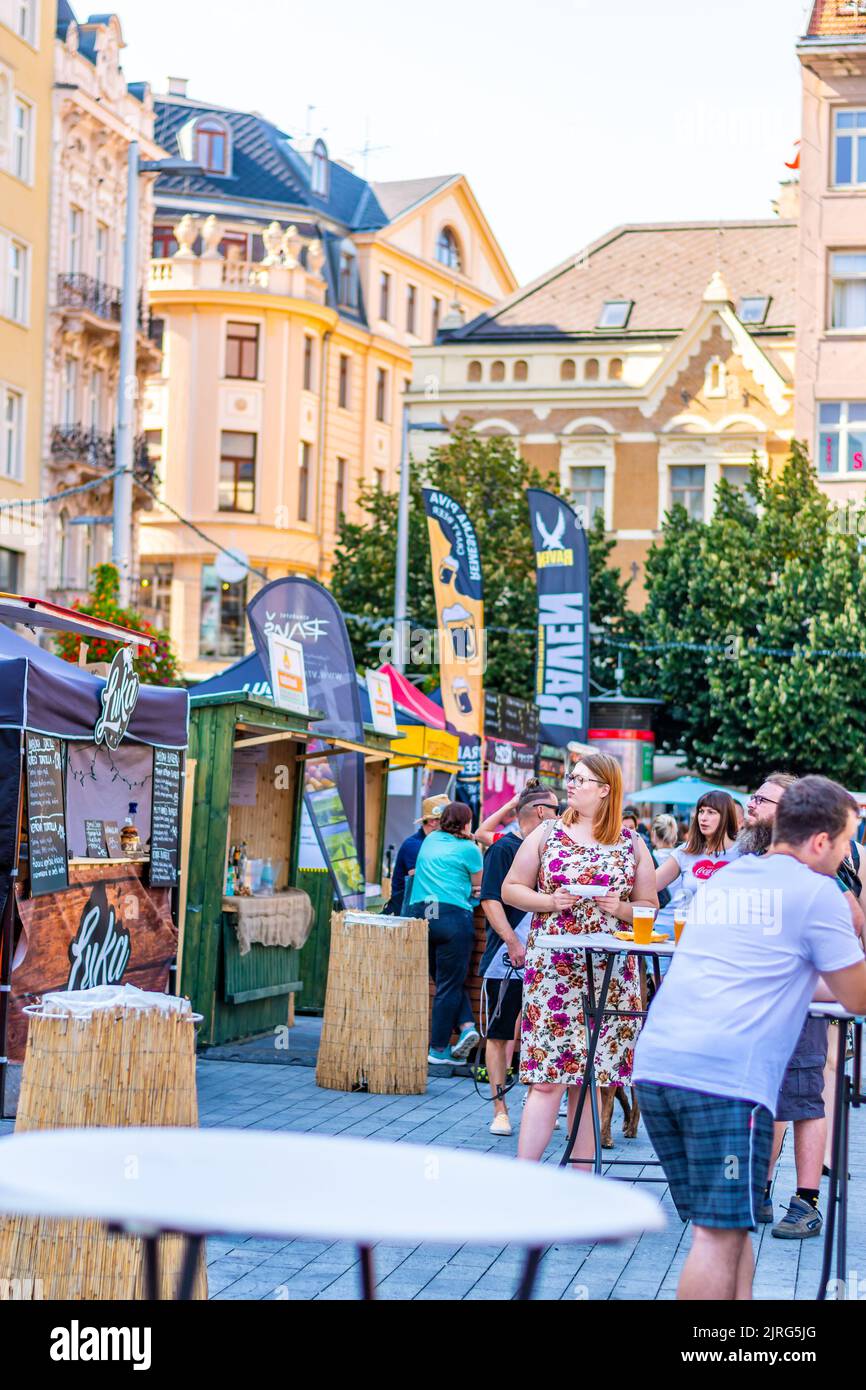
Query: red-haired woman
column 586, row 844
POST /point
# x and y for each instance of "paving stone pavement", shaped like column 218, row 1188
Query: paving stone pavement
column 256, row 1095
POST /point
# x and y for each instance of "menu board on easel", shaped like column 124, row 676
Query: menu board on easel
column 165, row 816
column 49, row 866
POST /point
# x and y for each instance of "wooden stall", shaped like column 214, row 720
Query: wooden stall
column 247, row 792
column 91, row 799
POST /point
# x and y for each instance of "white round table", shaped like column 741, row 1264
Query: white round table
column 201, row 1182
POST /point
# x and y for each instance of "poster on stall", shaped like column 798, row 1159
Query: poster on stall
column 288, row 677
column 562, row 576
column 330, row 823
column 458, row 591
column 382, row 704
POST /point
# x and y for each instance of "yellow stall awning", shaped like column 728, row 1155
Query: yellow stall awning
column 420, row 746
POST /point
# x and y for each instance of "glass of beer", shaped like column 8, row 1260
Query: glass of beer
column 679, row 922
column 642, row 924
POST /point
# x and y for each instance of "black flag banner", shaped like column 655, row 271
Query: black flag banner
column 562, row 570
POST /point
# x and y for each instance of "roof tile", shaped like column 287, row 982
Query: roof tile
column 831, row 17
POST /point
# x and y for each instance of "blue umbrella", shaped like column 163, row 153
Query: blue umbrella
column 683, row 791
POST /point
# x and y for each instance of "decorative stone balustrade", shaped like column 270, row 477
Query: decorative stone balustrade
column 281, row 272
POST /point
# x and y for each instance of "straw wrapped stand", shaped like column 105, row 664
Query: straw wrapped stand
column 375, row 1029
column 123, row 1058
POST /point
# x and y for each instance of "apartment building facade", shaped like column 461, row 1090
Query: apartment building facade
column 292, row 295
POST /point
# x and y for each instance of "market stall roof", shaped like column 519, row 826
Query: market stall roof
column 37, row 612
column 682, row 791
column 42, row 693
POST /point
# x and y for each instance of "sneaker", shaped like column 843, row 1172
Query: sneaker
column 439, row 1057
column 501, row 1125
column 469, row 1038
column 563, row 1105
column 799, row 1222
column 765, row 1212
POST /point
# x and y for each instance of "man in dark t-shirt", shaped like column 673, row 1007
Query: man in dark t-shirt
column 501, row 990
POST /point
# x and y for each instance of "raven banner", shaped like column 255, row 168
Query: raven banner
column 458, row 591
column 562, row 570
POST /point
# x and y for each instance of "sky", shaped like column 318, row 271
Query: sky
column 568, row 117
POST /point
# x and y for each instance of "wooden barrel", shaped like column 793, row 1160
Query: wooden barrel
column 117, row 1066
column 374, row 1030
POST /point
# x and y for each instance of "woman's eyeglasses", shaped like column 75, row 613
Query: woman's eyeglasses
column 577, row 781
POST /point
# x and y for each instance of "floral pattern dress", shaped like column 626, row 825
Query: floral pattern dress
column 553, row 1043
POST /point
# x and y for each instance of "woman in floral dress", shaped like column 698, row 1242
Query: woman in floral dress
column 586, row 844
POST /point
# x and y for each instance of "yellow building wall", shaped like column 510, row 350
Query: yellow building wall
column 24, row 213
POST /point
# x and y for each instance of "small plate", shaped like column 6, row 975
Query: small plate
column 654, row 940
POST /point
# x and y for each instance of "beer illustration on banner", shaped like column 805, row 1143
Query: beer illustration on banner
column 458, row 590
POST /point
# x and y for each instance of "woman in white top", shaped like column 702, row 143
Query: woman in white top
column 663, row 837
column 709, row 847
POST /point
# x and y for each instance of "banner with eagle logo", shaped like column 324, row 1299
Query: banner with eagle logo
column 562, row 667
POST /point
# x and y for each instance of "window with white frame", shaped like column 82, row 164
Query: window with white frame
column 841, row 437
column 688, row 485
column 69, row 404
column 212, row 145
column 76, row 221
column 97, row 396
column 848, row 284
column 16, row 282
column 753, row 309
column 738, row 475
column 22, row 140
column 320, row 169
column 26, row 20
column 849, row 149
column 100, row 260
column 12, row 450
column 587, row 492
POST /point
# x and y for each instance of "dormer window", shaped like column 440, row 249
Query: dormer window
column 320, row 169
column 753, row 308
column 448, row 249
column 615, row 313
column 212, row 145
column 347, row 288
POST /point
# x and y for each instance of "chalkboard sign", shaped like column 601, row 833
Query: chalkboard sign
column 49, row 867
column 94, row 837
column 165, row 815
column 113, row 840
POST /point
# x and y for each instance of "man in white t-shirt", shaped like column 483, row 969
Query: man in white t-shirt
column 710, row 1060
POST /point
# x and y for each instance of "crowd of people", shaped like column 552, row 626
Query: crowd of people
column 724, row 1056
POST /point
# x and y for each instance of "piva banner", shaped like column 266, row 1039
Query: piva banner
column 305, row 612
column 458, row 592
column 562, row 571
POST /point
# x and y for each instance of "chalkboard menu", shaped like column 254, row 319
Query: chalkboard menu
column 94, row 836
column 165, row 815
column 49, row 868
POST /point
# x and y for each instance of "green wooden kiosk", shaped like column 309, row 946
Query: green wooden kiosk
column 245, row 765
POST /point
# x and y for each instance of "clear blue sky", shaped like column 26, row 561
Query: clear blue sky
column 567, row 116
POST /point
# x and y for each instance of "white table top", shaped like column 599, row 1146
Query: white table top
column 833, row 1011
column 245, row 1182
column 602, row 941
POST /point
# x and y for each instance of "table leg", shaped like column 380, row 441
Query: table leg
column 529, row 1276
column 842, row 1231
column 151, row 1268
column 189, row 1267
column 856, row 1094
column 593, row 1034
column 657, row 973
column 835, row 1155
column 368, row 1274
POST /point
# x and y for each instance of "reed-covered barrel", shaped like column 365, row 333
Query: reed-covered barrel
column 375, row 1029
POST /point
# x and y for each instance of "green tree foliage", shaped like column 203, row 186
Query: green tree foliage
column 769, row 584
column 156, row 666
column 489, row 478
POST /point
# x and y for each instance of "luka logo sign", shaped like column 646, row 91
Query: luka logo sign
column 119, row 698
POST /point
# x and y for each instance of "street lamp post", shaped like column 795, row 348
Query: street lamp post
column 401, row 575
column 127, row 390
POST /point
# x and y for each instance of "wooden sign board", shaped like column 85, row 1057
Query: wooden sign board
column 166, row 802
column 112, row 839
column 49, row 861
column 94, row 839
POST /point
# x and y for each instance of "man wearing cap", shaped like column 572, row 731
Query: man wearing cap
column 404, row 865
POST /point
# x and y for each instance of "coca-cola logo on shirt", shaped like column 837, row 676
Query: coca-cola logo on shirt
column 705, row 868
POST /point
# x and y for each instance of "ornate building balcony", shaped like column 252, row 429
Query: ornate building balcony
column 292, row 265
column 82, row 294
column 74, row 444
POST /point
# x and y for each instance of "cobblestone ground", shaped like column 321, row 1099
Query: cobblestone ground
column 285, row 1097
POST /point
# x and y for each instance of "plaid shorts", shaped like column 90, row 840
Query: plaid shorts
column 715, row 1152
